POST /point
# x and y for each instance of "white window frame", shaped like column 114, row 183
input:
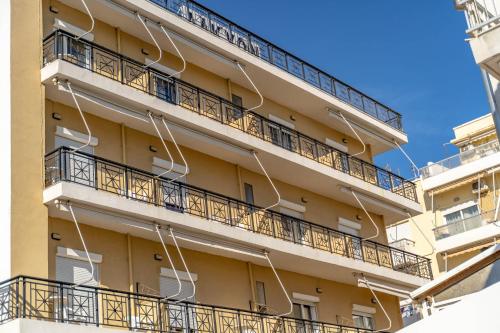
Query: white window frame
column 337, row 145
column 364, row 311
column 459, row 208
column 306, row 300
column 75, row 30
column 76, row 136
column 349, row 226
column 162, row 68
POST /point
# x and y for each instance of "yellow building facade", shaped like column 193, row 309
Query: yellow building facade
column 150, row 128
column 459, row 196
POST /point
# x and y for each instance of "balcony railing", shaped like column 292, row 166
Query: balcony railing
column 481, row 15
column 55, row 301
column 461, row 226
column 221, row 27
column 65, row 165
column 61, row 45
column 460, row 159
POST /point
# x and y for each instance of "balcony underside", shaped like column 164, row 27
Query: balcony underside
column 113, row 212
column 222, row 141
column 274, row 83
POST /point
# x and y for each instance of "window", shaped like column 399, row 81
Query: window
column 249, row 194
column 281, row 136
column 260, row 291
column 460, row 214
column 169, row 285
column 362, row 316
column 363, row 320
column 304, row 311
column 237, row 100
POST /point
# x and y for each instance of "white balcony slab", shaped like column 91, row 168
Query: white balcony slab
column 467, row 238
column 39, row 326
column 460, row 172
column 204, row 49
column 212, row 137
column 114, row 212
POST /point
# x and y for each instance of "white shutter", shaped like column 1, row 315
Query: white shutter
column 169, row 286
column 76, row 271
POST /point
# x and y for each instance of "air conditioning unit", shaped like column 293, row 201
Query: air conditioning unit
column 479, row 187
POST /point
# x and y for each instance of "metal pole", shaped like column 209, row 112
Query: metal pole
column 490, row 92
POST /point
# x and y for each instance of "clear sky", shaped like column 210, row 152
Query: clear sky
column 410, row 55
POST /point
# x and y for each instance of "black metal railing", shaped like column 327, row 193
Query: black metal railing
column 62, row 45
column 65, row 165
column 55, row 301
column 221, row 27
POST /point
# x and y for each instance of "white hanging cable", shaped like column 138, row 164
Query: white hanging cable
column 356, row 134
column 495, row 218
column 153, row 38
column 176, row 49
column 281, row 285
column 270, row 182
column 91, row 278
column 91, row 18
column 186, row 167
column 254, row 87
column 179, row 290
column 185, row 267
column 422, row 233
column 89, row 140
column 415, row 168
column 150, row 115
column 380, row 304
column 369, row 217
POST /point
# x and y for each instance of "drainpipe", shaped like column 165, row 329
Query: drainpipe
column 490, row 92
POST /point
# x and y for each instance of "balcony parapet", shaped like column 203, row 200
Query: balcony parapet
column 64, row 165
column 62, row 45
column 61, row 302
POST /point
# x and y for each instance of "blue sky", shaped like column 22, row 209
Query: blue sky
column 409, row 55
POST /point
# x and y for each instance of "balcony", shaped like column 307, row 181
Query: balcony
column 462, row 233
column 61, row 45
column 458, row 227
column 481, row 15
column 483, row 19
column 65, row 166
column 42, row 300
column 461, row 165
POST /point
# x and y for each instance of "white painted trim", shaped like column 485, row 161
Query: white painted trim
column 75, row 136
column 165, row 164
column 337, row 145
column 5, row 142
column 281, row 121
column 169, row 273
column 363, row 309
column 78, row 255
column 350, row 224
column 292, row 206
column 305, row 298
column 162, row 68
column 63, row 25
